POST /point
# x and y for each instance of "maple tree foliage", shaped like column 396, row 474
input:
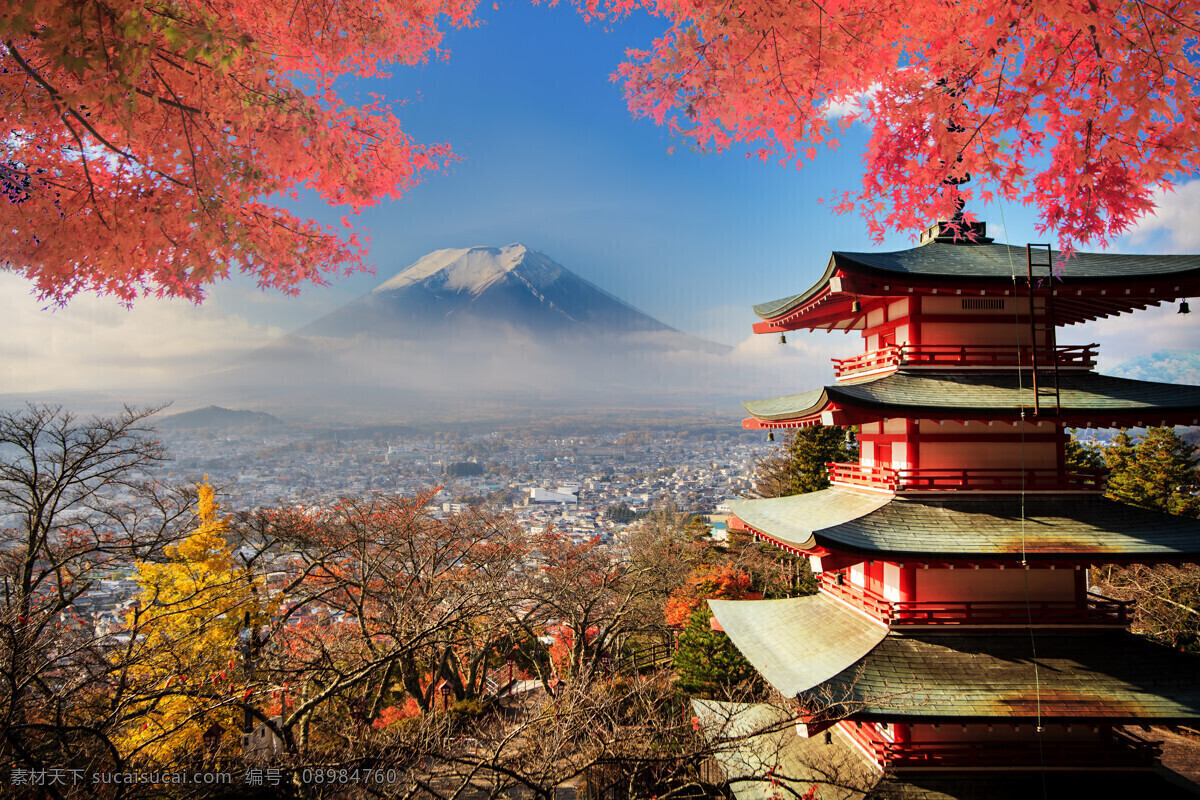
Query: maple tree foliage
column 382, row 599
column 708, row 582
column 1079, row 108
column 145, row 148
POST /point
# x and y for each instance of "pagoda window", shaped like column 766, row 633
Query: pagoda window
column 858, row 576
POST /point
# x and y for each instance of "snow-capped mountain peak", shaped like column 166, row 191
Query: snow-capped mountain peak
column 507, row 291
column 470, row 270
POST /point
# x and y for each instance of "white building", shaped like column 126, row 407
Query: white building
column 567, row 493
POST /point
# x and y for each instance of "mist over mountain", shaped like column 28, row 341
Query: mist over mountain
column 468, row 331
column 1163, row 366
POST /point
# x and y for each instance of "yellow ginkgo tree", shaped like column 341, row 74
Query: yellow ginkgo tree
column 186, row 665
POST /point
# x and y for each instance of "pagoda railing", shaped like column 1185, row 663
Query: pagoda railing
column 981, row 356
column 981, row 479
column 835, row 584
column 1122, row 749
column 1094, row 610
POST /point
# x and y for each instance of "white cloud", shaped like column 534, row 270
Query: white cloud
column 96, row 344
column 767, row 368
column 856, row 104
column 1175, row 225
column 1130, row 335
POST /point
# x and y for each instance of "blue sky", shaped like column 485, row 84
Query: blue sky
column 551, row 158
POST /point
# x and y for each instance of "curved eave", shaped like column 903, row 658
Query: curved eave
column 1091, row 286
column 799, row 642
column 1087, row 400
column 802, row 410
column 1102, row 677
column 970, row 528
column 756, row 746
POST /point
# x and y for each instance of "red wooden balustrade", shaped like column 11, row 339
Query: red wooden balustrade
column 981, row 479
column 1095, row 610
column 964, row 355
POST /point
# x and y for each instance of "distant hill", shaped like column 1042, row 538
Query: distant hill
column 1163, row 366
column 217, row 418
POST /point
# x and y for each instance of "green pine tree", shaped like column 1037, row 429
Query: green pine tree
column 1084, row 455
column 1158, row 471
column 707, row 663
column 797, row 465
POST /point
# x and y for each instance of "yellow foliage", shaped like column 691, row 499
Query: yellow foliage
column 187, row 664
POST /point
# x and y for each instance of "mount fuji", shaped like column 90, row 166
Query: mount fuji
column 448, row 292
column 485, row 328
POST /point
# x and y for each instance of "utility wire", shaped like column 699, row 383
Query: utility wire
column 1037, row 683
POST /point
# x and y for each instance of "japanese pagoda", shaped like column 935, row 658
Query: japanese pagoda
column 954, row 631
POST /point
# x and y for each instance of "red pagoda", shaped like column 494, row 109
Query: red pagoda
column 954, row 638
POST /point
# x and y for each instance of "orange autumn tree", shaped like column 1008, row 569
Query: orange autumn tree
column 145, row 147
column 1080, row 108
column 708, row 582
column 184, row 660
column 705, row 660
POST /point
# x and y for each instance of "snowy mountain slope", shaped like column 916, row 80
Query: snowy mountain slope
column 486, row 288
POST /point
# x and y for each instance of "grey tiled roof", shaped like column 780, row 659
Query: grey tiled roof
column 998, row 261
column 1080, row 676
column 758, row 751
column 757, row 740
column 964, row 263
column 930, row 394
column 799, row 642
column 961, row 526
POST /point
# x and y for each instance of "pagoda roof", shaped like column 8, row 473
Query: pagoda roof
column 960, row 676
column 1087, row 399
column 1091, row 285
column 756, row 740
column 758, row 751
column 962, row 526
column 798, row 642
column 1116, row 677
